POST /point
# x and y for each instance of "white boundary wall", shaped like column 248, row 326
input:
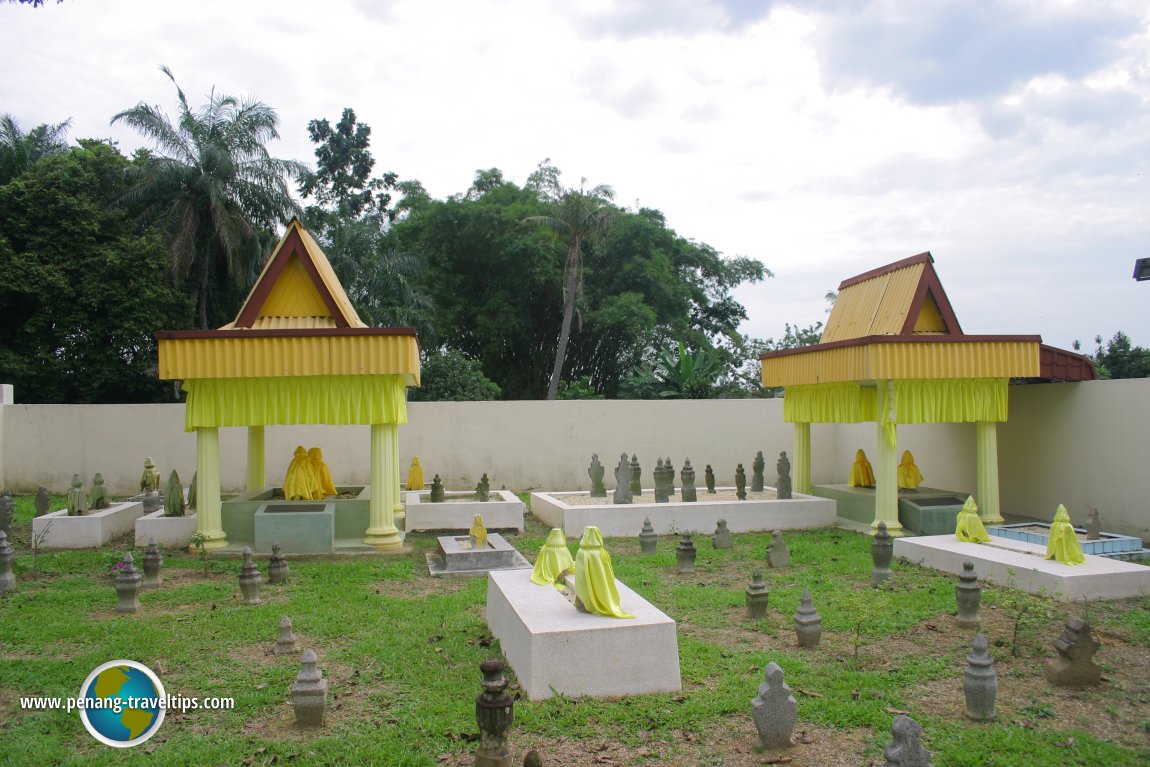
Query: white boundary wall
column 1084, row 444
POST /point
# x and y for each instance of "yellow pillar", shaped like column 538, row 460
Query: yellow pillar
column 886, row 471
column 257, row 477
column 398, row 510
column 801, row 460
column 986, row 434
column 381, row 531
column 208, row 488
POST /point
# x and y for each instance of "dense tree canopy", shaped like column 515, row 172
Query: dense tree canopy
column 20, row 150
column 82, row 292
column 1119, row 358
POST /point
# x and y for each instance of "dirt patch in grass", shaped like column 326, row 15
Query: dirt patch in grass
column 421, row 587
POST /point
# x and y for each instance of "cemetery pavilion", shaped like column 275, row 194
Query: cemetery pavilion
column 893, row 353
column 297, row 353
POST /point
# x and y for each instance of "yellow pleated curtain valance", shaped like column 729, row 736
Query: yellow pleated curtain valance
column 915, row 401
column 335, row 400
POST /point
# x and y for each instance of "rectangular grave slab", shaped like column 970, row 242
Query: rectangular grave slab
column 620, row 520
column 57, row 530
column 299, row 528
column 503, row 512
column 556, row 649
column 1021, row 565
column 457, row 556
column 168, row 532
column 1106, row 545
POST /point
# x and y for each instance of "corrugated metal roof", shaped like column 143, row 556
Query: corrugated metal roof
column 874, row 307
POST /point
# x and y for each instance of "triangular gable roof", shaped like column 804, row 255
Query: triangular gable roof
column 296, row 289
column 904, row 298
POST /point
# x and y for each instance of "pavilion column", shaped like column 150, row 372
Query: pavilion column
column 382, row 532
column 801, row 460
column 208, row 488
column 986, row 435
column 257, row 477
column 886, row 470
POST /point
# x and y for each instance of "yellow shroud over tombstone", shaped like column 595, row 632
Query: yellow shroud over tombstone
column 909, row 477
column 1063, row 544
column 322, row 473
column 554, row 561
column 862, row 475
column 415, row 474
column 970, row 527
column 595, row 577
column 301, row 483
column 478, row 531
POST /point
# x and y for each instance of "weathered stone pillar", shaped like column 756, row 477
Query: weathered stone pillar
column 801, row 460
column 987, row 449
column 381, row 531
column 257, row 476
column 208, row 517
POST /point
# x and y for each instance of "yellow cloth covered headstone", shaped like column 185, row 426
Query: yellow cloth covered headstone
column 1063, row 544
column 300, row 483
column 970, row 527
column 478, row 531
column 415, row 474
column 909, row 477
column 553, row 562
column 862, row 475
column 595, row 577
column 322, row 473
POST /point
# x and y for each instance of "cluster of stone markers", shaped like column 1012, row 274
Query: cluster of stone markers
column 628, row 479
column 81, row 502
column 439, row 495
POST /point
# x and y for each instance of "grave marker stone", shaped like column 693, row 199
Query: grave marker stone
column 808, row 622
column 980, row 682
column 783, row 483
column 740, row 483
column 174, row 496
column 43, row 501
column 1074, row 665
column 968, row 594
column 687, row 476
column 778, row 555
column 774, row 710
column 77, row 498
column 7, row 554
column 1093, row 525
column 277, row 565
column 906, row 749
column 595, row 471
column 648, row 541
column 709, row 478
column 757, row 596
column 437, row 493
column 286, row 643
column 153, row 561
column 483, row 489
column 128, row 586
column 722, row 538
column 660, row 476
column 757, row 467
column 881, row 553
column 624, row 480
column 7, row 505
column 669, row 477
column 250, row 579
column 685, row 554
column 494, row 713
column 636, row 483
column 309, row 693
column 98, row 498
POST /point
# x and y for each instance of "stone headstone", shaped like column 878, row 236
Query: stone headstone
column 43, row 501
column 660, row 477
column 808, row 622
column 968, row 594
column 906, row 749
column 881, row 554
column 685, row 554
column 309, row 693
column 150, row 486
column 709, row 478
column 494, row 713
column 7, row 554
column 77, row 498
column 778, row 555
column 483, row 489
column 174, row 496
column 1074, row 665
column 669, row 477
column 595, row 471
column 774, row 710
column 740, row 483
column 687, row 476
column 757, row 596
column 783, row 483
column 128, row 586
column 636, row 482
column 532, row 759
column 648, row 541
column 7, row 507
column 757, row 466
column 437, row 494
column 624, row 480
column 1093, row 525
column 277, row 565
column 250, row 579
column 286, row 644
column 98, row 497
column 153, row 561
column 980, row 682
column 722, row 538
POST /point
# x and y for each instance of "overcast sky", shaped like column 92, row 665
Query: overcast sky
column 1010, row 139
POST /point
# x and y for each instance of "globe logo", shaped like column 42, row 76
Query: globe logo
column 122, row 703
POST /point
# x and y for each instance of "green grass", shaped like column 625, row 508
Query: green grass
column 402, row 651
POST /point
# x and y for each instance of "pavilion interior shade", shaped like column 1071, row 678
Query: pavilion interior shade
column 952, row 400
column 335, row 400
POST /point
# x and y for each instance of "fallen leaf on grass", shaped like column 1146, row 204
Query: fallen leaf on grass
column 1068, row 743
column 854, row 694
column 808, row 693
column 895, row 711
column 804, row 739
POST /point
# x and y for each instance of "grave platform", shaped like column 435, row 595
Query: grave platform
column 503, row 512
column 457, row 556
column 923, row 511
column 701, row 517
column 168, row 532
column 298, row 527
column 57, row 530
column 1020, row 565
column 556, row 649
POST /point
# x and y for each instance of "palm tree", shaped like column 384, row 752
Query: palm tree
column 584, row 216
column 211, row 187
column 20, row 150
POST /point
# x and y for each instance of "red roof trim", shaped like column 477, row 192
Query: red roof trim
column 921, row 258
column 1060, row 365
column 929, row 283
column 922, row 339
column 282, row 333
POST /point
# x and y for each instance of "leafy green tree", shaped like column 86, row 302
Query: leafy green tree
column 447, row 375
column 342, row 183
column 82, row 290
column 682, row 375
column 20, row 150
column 583, row 216
column 1119, row 358
column 212, row 188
